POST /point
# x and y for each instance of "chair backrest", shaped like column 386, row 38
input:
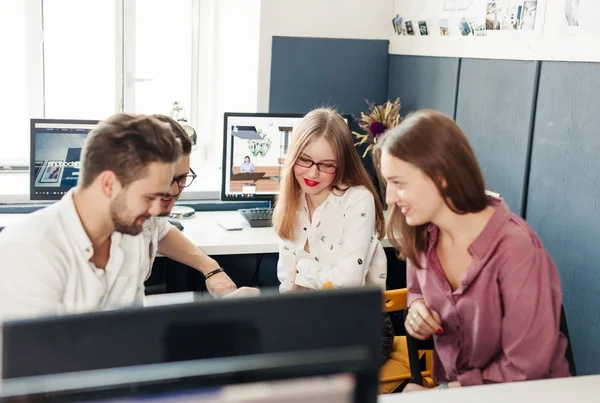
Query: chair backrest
column 394, row 300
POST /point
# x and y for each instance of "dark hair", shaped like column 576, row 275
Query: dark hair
column 182, row 136
column 435, row 144
column 126, row 144
column 247, row 157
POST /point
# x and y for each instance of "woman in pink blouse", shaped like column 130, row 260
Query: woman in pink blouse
column 480, row 282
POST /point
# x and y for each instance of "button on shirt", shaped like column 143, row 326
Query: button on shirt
column 344, row 248
column 46, row 269
column 502, row 323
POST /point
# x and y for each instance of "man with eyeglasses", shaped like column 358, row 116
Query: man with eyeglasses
column 164, row 238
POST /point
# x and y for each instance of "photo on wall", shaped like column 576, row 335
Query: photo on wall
column 444, row 27
column 511, row 15
column 423, row 27
column 409, row 28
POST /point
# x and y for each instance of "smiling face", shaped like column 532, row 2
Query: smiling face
column 140, row 200
column 411, row 190
column 182, row 168
column 312, row 180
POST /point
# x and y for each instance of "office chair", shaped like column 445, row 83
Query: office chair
column 397, row 370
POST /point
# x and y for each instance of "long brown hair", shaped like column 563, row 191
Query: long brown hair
column 435, row 144
column 350, row 172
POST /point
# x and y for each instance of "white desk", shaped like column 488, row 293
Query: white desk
column 204, row 231
column 583, row 389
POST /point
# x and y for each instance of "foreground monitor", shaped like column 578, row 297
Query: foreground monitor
column 270, row 323
column 343, row 375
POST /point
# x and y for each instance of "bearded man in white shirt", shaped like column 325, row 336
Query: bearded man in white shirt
column 83, row 253
column 164, row 238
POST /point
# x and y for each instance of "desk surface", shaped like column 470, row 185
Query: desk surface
column 204, row 231
column 583, row 389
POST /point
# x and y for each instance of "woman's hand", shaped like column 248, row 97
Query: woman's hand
column 413, row 387
column 422, row 322
column 296, row 287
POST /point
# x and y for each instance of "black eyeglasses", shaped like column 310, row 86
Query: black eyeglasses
column 321, row 166
column 184, row 181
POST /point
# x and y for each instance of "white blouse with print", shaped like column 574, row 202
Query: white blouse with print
column 343, row 244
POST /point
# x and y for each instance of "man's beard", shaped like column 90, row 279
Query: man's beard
column 123, row 225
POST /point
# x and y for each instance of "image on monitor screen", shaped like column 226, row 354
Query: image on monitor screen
column 55, row 152
column 255, row 146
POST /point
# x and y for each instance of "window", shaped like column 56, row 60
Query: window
column 161, row 72
column 79, row 59
column 87, row 59
column 14, row 93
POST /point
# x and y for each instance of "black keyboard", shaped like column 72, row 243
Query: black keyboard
column 258, row 217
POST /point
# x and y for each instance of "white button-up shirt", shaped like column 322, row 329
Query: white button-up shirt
column 155, row 229
column 343, row 244
column 45, row 267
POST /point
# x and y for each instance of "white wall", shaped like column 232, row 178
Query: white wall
column 228, row 67
column 552, row 39
column 356, row 19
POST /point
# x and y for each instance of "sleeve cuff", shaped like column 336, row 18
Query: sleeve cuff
column 470, row 378
column 307, row 268
column 412, row 297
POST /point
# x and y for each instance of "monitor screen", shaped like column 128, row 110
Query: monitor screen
column 255, row 146
column 55, row 152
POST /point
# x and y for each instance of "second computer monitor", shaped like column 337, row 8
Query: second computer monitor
column 255, row 146
column 55, row 156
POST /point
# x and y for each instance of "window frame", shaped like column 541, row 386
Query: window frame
column 124, row 85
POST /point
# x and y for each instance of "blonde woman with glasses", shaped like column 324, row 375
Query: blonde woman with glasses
column 328, row 215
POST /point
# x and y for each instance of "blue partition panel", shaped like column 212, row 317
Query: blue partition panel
column 563, row 203
column 495, row 105
column 311, row 72
column 424, row 82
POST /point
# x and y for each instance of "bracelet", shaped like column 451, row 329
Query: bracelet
column 212, row 273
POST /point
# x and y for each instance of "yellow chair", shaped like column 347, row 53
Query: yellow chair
column 397, row 369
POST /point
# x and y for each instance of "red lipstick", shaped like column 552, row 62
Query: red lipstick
column 310, row 183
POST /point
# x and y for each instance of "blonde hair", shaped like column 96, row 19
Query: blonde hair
column 326, row 123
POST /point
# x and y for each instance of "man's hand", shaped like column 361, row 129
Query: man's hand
column 244, row 292
column 220, row 285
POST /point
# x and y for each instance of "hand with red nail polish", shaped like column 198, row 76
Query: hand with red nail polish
column 422, row 322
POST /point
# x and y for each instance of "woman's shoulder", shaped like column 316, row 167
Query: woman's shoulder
column 353, row 193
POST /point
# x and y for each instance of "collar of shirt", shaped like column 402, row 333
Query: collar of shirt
column 487, row 238
column 333, row 198
column 75, row 228
column 483, row 245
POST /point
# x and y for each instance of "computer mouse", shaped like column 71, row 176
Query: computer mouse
column 175, row 223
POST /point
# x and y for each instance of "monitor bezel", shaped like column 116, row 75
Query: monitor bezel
column 33, row 122
column 226, row 116
column 192, row 375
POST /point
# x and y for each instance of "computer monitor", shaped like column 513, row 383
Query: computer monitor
column 269, row 323
column 255, row 146
column 342, row 375
column 55, row 152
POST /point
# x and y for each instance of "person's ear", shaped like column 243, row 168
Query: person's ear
column 443, row 183
column 109, row 184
